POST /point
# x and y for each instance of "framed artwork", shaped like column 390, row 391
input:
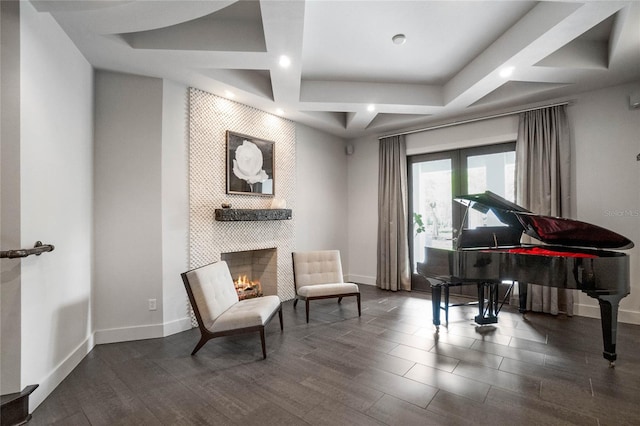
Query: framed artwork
column 250, row 165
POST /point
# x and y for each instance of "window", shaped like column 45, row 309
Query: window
column 435, row 179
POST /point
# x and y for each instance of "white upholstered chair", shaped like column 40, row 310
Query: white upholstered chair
column 318, row 275
column 218, row 309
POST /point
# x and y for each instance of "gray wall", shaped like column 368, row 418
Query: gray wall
column 128, row 205
column 322, row 202
column 606, row 135
column 175, row 205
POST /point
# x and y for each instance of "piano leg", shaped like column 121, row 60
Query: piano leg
column 436, row 297
column 487, row 312
column 522, row 297
column 609, row 320
column 493, row 300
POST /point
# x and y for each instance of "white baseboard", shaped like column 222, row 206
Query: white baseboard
column 590, row 311
column 126, row 334
column 177, row 326
column 60, row 372
column 152, row 331
column 361, row 279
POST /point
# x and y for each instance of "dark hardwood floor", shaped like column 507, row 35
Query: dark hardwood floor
column 386, row 367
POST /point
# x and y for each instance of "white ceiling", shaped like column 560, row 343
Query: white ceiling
column 343, row 58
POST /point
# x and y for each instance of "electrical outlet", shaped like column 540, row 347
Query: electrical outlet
column 152, row 304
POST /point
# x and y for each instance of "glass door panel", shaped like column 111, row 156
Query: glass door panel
column 490, row 172
column 432, row 182
column 432, row 179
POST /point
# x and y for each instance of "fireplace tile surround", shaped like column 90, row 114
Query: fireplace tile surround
column 209, row 118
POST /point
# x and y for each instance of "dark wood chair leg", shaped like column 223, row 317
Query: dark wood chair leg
column 203, row 340
column 306, row 303
column 295, row 302
column 359, row 310
column 339, row 299
column 264, row 348
column 280, row 317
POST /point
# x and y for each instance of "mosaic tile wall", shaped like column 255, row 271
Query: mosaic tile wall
column 210, row 117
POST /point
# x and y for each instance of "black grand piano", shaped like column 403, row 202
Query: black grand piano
column 574, row 255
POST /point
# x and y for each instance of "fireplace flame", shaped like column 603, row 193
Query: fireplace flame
column 242, row 283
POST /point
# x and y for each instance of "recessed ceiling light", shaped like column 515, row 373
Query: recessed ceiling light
column 229, row 94
column 506, row 72
column 371, row 108
column 284, row 61
column 399, row 39
column 279, row 111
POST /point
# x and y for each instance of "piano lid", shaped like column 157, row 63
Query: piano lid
column 549, row 230
column 503, row 209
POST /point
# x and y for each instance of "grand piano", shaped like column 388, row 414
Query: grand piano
column 574, row 255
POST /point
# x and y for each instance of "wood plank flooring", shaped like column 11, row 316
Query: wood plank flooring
column 388, row 367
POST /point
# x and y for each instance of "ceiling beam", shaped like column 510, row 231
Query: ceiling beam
column 283, row 23
column 481, row 75
column 359, row 120
column 365, row 93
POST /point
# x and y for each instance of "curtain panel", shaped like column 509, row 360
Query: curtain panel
column 393, row 244
column 543, row 170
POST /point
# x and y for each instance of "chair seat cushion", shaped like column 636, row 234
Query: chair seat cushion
column 320, row 290
column 246, row 313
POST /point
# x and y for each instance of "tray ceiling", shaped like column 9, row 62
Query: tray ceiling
column 346, row 75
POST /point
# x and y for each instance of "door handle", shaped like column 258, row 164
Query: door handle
column 37, row 249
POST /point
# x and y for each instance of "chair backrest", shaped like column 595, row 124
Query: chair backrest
column 317, row 267
column 211, row 291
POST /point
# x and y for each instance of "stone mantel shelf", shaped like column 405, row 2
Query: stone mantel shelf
column 236, row 215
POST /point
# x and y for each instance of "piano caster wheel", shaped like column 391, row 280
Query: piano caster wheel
column 437, row 329
column 612, row 364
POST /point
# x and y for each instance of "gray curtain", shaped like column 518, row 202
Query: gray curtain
column 543, row 186
column 393, row 245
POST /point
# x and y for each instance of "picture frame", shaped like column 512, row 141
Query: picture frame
column 250, row 165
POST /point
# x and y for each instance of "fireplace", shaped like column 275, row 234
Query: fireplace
column 254, row 272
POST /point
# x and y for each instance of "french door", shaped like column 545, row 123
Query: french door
column 436, row 178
